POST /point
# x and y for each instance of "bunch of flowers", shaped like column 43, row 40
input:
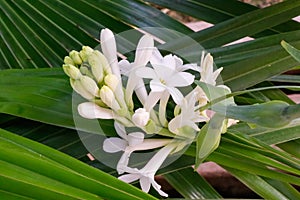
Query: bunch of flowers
column 109, row 86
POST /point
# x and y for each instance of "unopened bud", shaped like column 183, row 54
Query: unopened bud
column 85, row 71
column 97, row 61
column 68, row 60
column 74, row 55
column 72, row 71
column 140, row 117
column 85, row 52
column 111, row 81
column 90, row 85
column 151, row 127
column 77, row 86
column 108, row 97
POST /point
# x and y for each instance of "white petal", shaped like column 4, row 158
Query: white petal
column 181, row 79
column 163, row 72
column 91, row 110
column 145, row 184
column 146, row 72
column 156, row 57
column 109, row 49
column 176, row 95
column 125, row 67
column 152, row 100
column 128, row 178
column 122, row 165
column 151, row 144
column 157, row 160
column 179, row 63
column 141, row 91
column 144, row 50
column 157, row 86
column 120, row 129
column 175, row 123
column 169, row 61
column 114, row 144
column 192, row 66
column 135, row 138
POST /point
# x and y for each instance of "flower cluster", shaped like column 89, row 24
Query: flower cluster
column 109, row 85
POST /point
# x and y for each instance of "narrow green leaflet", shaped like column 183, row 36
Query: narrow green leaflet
column 217, row 11
column 291, row 50
column 34, row 170
column 239, row 27
column 268, row 135
column 262, row 187
column 191, row 185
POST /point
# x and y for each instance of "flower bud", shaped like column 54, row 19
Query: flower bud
column 77, row 86
column 72, row 71
column 85, row 52
column 85, row 71
column 111, row 81
column 140, row 117
column 108, row 97
column 90, row 85
column 68, row 60
column 74, row 55
column 98, row 63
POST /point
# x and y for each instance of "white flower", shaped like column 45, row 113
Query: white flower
column 129, row 143
column 147, row 173
column 166, row 77
column 140, row 117
column 208, row 75
column 188, row 116
column 142, row 56
column 157, row 58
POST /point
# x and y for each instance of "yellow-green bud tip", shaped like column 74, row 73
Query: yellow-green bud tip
column 85, row 52
column 74, row 55
column 72, row 71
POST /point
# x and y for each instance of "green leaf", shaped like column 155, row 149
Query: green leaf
column 27, row 164
column 239, row 27
column 268, row 135
column 217, row 11
column 291, row 147
column 259, row 185
column 191, row 185
column 284, row 78
column 291, row 50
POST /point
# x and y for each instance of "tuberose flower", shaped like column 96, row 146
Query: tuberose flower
column 165, row 77
column 147, row 173
column 129, row 143
column 188, row 116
